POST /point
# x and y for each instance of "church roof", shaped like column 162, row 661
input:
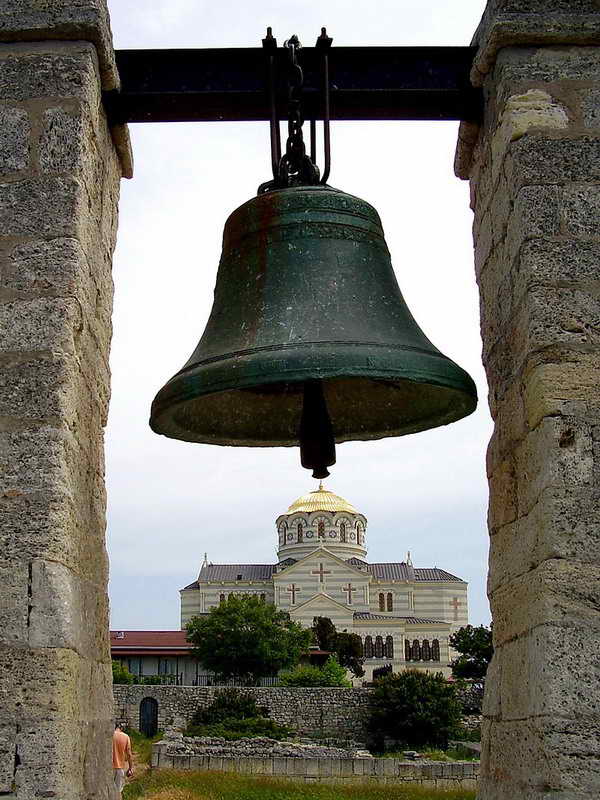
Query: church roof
column 386, row 571
column 409, row 620
column 321, row 500
column 401, row 571
column 230, row 573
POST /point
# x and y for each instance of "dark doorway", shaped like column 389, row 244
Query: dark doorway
column 149, row 716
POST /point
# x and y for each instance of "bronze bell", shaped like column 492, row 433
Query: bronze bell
column 308, row 313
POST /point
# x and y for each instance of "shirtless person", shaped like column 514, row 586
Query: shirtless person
column 121, row 748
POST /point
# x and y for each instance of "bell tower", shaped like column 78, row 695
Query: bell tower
column 321, row 519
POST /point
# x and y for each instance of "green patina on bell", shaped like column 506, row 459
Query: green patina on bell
column 308, row 312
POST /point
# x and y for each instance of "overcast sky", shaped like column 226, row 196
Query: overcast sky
column 168, row 501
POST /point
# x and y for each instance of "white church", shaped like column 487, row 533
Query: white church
column 402, row 613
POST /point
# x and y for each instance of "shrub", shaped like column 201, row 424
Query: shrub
column 415, row 708
column 233, row 714
column 120, row 673
column 330, row 674
column 231, row 729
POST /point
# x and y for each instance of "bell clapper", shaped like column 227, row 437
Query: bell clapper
column 317, row 443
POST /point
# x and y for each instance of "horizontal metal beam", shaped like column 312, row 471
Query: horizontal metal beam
column 367, row 83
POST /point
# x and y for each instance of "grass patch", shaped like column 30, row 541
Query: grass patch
column 141, row 745
column 184, row 785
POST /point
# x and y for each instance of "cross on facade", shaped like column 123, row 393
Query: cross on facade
column 320, row 572
column 455, row 604
column 293, row 590
column 349, row 589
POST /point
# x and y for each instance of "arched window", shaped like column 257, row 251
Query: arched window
column 426, row 650
column 263, row 598
column 389, row 647
column 343, row 531
column 407, row 651
column 321, row 530
column 390, row 602
column 435, row 650
column 359, row 534
column 299, row 531
column 378, row 647
column 368, row 647
column 221, row 598
column 416, row 650
column 381, row 601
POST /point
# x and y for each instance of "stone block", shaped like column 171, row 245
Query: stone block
column 41, row 206
column 279, row 765
column 78, row 20
column 51, row 389
column 557, row 591
column 580, row 207
column 64, row 144
column 556, row 262
column 8, row 751
column 538, row 159
column 518, row 66
column 536, row 678
column 590, row 107
column 569, row 388
column 558, row 453
column 312, row 767
column 503, row 504
column 325, row 767
column 53, row 524
column 535, row 214
column 67, row 612
column 14, row 145
column 539, row 757
column 14, row 579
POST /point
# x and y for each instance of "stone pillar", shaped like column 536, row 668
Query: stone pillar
column 59, row 181
column 534, row 167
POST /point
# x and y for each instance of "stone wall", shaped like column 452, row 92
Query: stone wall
column 433, row 775
column 329, row 712
column 534, row 167
column 59, row 183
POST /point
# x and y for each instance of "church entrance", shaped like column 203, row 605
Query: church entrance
column 149, row 716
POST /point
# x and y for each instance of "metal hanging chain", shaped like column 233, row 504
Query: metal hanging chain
column 296, row 167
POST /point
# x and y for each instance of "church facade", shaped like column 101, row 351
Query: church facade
column 402, row 613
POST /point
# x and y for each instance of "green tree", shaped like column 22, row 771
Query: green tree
column 120, row 673
column 325, row 633
column 330, row 674
column 347, row 646
column 246, row 638
column 417, row 708
column 476, row 650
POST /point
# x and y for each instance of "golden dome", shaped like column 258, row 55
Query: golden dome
column 321, row 500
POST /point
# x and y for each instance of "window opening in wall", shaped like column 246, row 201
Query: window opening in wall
column 221, row 598
column 368, row 649
column 299, row 531
column 263, row 598
column 389, row 647
column 435, row 650
column 407, row 651
column 378, row 647
column 343, row 531
column 321, row 529
column 381, row 601
column 390, row 602
column 416, row 650
column 425, row 650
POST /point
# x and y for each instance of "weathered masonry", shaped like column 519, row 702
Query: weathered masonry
column 534, row 166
